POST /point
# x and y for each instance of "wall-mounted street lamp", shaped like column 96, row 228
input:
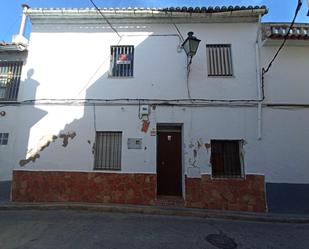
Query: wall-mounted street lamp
column 190, row 45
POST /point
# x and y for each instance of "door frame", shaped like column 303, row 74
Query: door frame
column 179, row 127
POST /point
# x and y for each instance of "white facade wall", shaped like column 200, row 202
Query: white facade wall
column 159, row 70
column 273, row 155
column 72, row 62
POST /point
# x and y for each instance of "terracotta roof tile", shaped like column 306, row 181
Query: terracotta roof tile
column 279, row 30
column 214, row 9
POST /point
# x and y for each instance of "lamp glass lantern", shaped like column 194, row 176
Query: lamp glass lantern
column 190, row 45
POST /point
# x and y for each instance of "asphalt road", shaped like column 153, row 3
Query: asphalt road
column 81, row 229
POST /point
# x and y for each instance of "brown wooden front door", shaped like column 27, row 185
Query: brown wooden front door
column 169, row 170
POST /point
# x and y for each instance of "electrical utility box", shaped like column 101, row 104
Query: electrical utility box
column 135, row 143
column 144, row 110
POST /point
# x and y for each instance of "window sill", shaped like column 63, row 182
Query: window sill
column 227, row 178
column 119, row 77
column 12, row 102
column 221, row 76
column 107, row 170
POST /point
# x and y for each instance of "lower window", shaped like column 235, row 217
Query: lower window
column 108, row 150
column 4, row 137
column 225, row 158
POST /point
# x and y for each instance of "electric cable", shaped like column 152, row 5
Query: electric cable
column 159, row 102
column 105, row 18
column 189, row 61
column 178, row 31
column 299, row 4
column 264, row 71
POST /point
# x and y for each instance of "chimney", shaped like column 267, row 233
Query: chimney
column 308, row 7
column 19, row 38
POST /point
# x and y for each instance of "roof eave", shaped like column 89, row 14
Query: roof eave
column 13, row 48
column 289, row 43
column 149, row 15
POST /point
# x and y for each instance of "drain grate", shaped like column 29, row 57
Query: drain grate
column 221, row 241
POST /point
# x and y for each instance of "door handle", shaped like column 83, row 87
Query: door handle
column 163, row 163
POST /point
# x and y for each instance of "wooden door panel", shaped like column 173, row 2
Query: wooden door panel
column 169, row 170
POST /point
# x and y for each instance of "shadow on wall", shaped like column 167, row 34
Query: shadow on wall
column 101, row 86
column 29, row 115
column 71, row 146
column 78, row 137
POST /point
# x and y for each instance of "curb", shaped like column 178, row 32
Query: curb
column 158, row 210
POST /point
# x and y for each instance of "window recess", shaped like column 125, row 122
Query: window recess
column 108, row 151
column 10, row 72
column 4, row 137
column 219, row 60
column 122, row 58
column 226, row 159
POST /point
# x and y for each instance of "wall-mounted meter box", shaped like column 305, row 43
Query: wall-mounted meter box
column 135, row 143
column 144, row 110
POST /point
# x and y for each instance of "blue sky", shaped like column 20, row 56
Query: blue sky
column 10, row 11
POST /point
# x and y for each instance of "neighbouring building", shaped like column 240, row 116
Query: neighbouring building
column 110, row 110
column 12, row 57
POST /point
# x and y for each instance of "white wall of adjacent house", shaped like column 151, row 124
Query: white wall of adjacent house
column 287, row 80
column 286, row 83
column 73, row 61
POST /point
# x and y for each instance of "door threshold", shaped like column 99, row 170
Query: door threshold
column 170, row 201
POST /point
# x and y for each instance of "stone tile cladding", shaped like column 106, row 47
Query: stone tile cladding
column 227, row 194
column 59, row 186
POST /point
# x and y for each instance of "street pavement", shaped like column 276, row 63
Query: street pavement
column 26, row 229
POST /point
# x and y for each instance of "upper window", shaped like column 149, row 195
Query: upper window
column 9, row 79
column 226, row 159
column 219, row 60
column 108, row 150
column 122, row 58
column 4, row 137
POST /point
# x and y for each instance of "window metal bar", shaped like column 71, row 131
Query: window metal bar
column 120, row 66
column 226, row 64
column 106, row 155
column 128, row 66
column 219, row 60
column 230, row 59
column 11, row 86
column 222, row 60
column 117, row 65
column 113, row 149
column 213, row 61
column 118, row 151
column 125, row 65
column 208, row 60
column 132, row 61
